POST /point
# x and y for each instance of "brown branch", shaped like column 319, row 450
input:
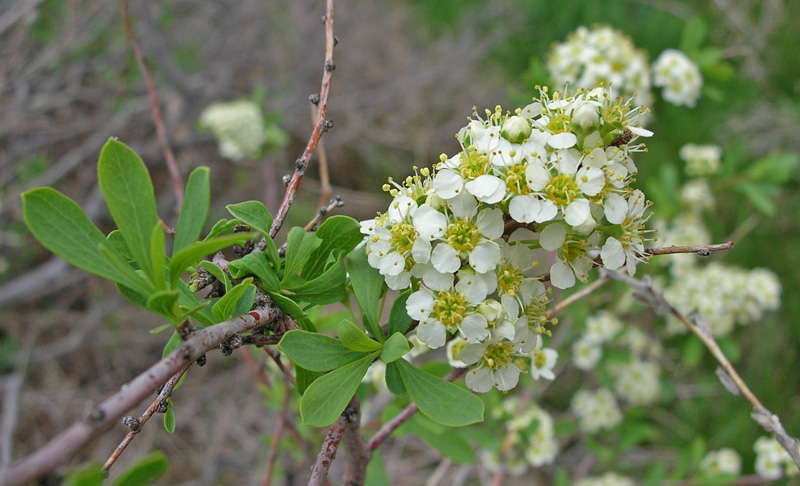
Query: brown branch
column 320, row 126
column 324, row 178
column 703, row 250
column 323, row 211
column 327, row 452
column 136, row 424
column 158, row 120
column 577, row 296
column 356, row 454
column 64, row 446
column 730, row 378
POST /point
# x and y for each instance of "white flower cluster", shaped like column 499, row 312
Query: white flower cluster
column 724, row 295
column 696, row 194
column 561, row 168
column 601, row 55
column 238, row 128
column 723, row 461
column 607, row 479
column 531, row 433
column 679, row 77
column 596, row 410
column 701, row 160
column 772, row 460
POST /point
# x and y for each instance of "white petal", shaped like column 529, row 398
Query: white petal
column 432, row 333
column 474, row 328
column 561, row 275
column 398, row 282
column 484, row 257
column 524, row 209
column 421, row 250
column 445, row 259
column 507, row 378
column 642, row 132
column 487, row 188
column 429, row 223
column 562, row 140
column 472, row 353
column 438, row 281
column 392, row 264
column 537, row 177
column 612, row 254
column 400, row 208
column 490, row 223
column 595, row 180
column 615, row 208
column 447, row 184
column 553, row 236
column 479, row 380
column 547, row 212
column 505, row 330
column 473, row 287
column 463, row 205
column 511, row 305
column 578, row 212
column 419, row 305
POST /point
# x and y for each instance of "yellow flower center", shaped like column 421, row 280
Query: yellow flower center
column 474, row 164
column 497, row 356
column 403, row 235
column 450, row 308
column 516, row 180
column 462, row 235
column 562, row 189
column 509, row 279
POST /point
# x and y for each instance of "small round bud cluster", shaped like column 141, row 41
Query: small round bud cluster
column 724, row 295
column 723, row 461
column 696, row 194
column 238, row 128
column 772, row 460
column 679, row 77
column 601, row 56
column 637, row 381
column 701, row 160
column 596, row 410
column 561, row 168
column 607, row 479
column 531, row 433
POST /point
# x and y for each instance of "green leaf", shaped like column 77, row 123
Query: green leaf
column 118, row 245
column 775, row 168
column 338, row 234
column 129, row 195
column 169, row 418
column 376, row 473
column 656, row 474
column 394, row 348
column 325, row 289
column 144, row 471
column 693, row 35
column 192, row 254
column 194, row 210
column 299, row 245
column 760, row 195
column 225, row 307
column 165, row 303
column 221, row 227
column 707, row 57
column 393, row 380
column 447, row 443
column 254, row 214
column 368, row 285
column 304, row 378
column 217, row 272
column 63, row 228
column 132, row 296
column 245, row 304
column 290, row 307
column 193, row 307
column 256, row 263
column 89, row 475
column 355, row 339
column 158, row 256
column 399, row 320
column 326, row 398
column 316, row 352
column 272, row 253
column 126, row 275
column 173, row 344
column 435, row 397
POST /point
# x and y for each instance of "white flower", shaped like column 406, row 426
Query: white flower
column 573, row 260
column 470, row 234
column 454, row 347
column 444, row 308
column 637, row 381
column 679, row 76
column 542, row 363
column 497, row 366
column 701, row 160
column 723, row 461
column 237, row 126
column 586, row 353
column 596, row 410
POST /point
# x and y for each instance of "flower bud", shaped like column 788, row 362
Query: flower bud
column 516, row 129
column 492, row 310
column 586, row 116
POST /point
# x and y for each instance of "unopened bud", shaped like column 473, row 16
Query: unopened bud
column 516, row 129
column 586, row 116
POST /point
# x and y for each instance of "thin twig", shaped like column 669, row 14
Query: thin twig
column 653, row 297
column 323, row 211
column 703, row 250
column 589, row 289
column 356, row 454
column 276, row 437
column 327, row 452
column 158, row 120
column 63, row 447
column 136, row 424
column 324, row 178
column 320, row 126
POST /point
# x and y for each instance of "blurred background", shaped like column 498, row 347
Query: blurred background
column 407, row 76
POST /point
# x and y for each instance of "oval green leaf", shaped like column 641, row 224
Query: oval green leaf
column 316, row 352
column 355, row 339
column 326, row 398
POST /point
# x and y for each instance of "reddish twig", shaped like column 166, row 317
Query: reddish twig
column 577, row 296
column 327, row 452
column 320, row 126
column 356, row 454
column 63, row 447
column 276, row 357
column 324, row 178
column 323, row 211
column 262, row 378
column 136, row 424
column 276, row 437
column 158, row 120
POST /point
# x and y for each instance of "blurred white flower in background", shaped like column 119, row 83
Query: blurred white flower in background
column 679, row 77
